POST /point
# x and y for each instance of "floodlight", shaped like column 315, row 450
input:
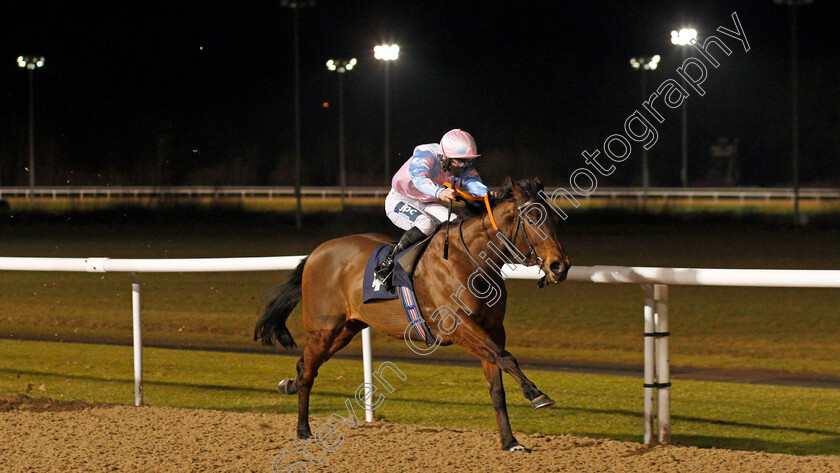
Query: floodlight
column 684, row 36
column 30, row 62
column 386, row 52
column 646, row 63
column 341, row 65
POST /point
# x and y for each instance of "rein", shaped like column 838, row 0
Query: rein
column 486, row 200
column 532, row 256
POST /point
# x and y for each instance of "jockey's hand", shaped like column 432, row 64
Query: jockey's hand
column 446, row 195
column 494, row 195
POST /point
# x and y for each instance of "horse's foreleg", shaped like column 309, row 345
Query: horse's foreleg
column 493, row 375
column 478, row 342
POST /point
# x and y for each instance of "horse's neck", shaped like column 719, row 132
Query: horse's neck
column 480, row 237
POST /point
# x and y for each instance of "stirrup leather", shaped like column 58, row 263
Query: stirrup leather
column 386, row 267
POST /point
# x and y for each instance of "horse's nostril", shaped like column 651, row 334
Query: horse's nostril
column 556, row 267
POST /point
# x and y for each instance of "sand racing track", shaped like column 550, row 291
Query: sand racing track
column 45, row 435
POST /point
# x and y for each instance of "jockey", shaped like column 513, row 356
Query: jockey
column 419, row 185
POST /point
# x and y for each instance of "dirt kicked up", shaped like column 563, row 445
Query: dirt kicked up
column 45, row 435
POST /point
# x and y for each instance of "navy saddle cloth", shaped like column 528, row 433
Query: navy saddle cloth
column 373, row 289
column 400, row 287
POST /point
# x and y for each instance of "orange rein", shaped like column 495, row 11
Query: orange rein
column 486, row 200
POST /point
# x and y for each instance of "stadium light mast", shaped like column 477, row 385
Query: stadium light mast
column 794, row 86
column 30, row 63
column 341, row 66
column 645, row 63
column 296, row 5
column 683, row 38
column 387, row 53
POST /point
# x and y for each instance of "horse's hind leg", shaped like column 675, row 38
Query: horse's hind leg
column 290, row 385
column 320, row 346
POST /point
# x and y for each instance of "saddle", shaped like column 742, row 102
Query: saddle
column 401, row 286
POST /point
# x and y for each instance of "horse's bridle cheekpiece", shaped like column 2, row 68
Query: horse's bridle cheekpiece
column 533, row 256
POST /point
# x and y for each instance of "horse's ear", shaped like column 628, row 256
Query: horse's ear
column 519, row 192
column 538, row 183
column 508, row 182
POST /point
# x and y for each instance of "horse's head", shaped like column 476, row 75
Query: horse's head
column 531, row 224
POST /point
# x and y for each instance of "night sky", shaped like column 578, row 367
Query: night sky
column 185, row 92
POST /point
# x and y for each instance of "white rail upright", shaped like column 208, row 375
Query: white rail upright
column 137, row 339
column 663, row 366
column 650, row 363
column 367, row 366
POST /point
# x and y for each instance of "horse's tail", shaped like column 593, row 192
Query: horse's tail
column 272, row 325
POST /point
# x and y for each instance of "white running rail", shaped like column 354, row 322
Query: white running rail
column 653, row 281
column 743, row 194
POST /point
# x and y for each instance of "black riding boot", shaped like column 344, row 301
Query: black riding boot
column 410, row 237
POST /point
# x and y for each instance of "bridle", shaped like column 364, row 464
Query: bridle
column 533, row 258
column 533, row 252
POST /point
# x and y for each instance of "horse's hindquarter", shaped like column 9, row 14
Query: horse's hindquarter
column 332, row 287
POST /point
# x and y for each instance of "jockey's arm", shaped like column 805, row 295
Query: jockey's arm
column 472, row 181
column 420, row 170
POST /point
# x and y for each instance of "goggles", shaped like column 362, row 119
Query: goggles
column 462, row 162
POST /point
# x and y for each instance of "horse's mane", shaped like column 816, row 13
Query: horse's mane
column 531, row 186
column 474, row 208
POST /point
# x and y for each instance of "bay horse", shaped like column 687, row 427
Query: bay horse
column 329, row 283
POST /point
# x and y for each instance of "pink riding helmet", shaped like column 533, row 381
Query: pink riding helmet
column 459, row 144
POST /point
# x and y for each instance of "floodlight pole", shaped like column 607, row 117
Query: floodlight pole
column 387, row 123
column 342, row 177
column 31, row 133
column 30, row 63
column 794, row 85
column 682, row 38
column 644, row 64
column 387, row 53
column 295, row 6
column 298, row 210
column 684, row 133
column 645, row 170
column 341, row 66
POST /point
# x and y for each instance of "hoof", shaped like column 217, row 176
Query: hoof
column 541, row 401
column 287, row 386
column 305, row 435
column 517, row 448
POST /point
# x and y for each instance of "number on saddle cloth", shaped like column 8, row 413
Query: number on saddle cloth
column 401, row 285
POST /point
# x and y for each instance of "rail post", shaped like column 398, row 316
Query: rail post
column 138, row 340
column 649, row 379
column 367, row 363
column 663, row 367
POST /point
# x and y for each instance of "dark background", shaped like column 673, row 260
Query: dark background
column 185, row 92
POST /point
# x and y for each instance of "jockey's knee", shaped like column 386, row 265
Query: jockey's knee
column 425, row 225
